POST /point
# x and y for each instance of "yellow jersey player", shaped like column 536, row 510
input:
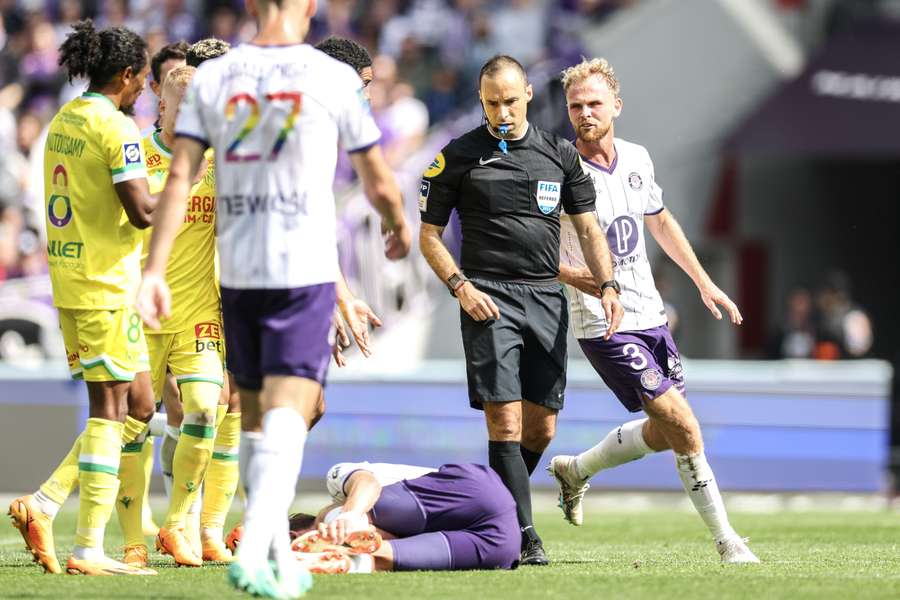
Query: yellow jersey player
column 189, row 344
column 97, row 200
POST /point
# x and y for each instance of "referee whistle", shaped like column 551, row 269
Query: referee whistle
column 504, row 131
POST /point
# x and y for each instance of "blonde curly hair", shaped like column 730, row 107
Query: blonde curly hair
column 587, row 68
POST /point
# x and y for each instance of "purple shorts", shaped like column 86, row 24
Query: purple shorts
column 467, row 505
column 278, row 332
column 636, row 365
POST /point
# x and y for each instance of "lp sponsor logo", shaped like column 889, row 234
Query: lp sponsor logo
column 622, row 236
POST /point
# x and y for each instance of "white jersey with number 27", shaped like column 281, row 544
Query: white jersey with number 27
column 626, row 192
column 275, row 116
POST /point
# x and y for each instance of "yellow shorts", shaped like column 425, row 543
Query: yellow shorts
column 196, row 353
column 104, row 345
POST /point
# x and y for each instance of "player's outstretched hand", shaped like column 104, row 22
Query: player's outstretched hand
column 713, row 297
column 476, row 303
column 397, row 240
column 613, row 310
column 336, row 532
column 154, row 300
column 341, row 340
column 359, row 315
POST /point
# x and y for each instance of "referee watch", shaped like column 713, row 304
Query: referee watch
column 455, row 281
column 612, row 283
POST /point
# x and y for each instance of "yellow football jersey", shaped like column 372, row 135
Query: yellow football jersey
column 190, row 272
column 94, row 251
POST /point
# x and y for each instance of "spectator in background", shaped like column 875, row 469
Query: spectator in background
column 843, row 329
column 796, row 337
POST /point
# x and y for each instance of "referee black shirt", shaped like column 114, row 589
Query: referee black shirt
column 508, row 203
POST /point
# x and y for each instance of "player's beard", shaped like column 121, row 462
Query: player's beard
column 593, row 134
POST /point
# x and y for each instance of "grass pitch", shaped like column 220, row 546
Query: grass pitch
column 659, row 554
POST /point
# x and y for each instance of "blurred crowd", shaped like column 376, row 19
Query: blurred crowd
column 825, row 324
column 427, row 55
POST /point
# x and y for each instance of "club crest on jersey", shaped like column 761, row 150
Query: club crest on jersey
column 635, row 181
column 548, row 196
column 651, row 379
column 132, row 153
column 437, row 166
column 424, row 190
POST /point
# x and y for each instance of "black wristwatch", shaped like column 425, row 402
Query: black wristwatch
column 455, row 281
column 612, row 283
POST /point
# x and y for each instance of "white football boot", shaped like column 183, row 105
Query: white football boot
column 571, row 487
column 734, row 551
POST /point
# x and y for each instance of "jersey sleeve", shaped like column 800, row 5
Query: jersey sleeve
column 578, row 193
column 190, row 121
column 124, row 150
column 357, row 130
column 385, row 473
column 439, row 190
column 655, row 197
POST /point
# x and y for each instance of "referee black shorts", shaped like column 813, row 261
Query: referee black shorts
column 521, row 356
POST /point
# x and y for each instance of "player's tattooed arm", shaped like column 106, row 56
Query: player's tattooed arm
column 668, row 233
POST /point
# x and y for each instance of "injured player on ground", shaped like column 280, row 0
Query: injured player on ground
column 388, row 517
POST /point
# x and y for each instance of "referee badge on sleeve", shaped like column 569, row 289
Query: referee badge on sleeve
column 547, row 196
column 424, row 190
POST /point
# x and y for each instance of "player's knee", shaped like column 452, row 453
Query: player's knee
column 538, row 438
column 503, row 426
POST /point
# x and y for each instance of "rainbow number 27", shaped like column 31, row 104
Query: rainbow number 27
column 272, row 103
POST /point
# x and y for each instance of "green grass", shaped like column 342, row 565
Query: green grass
column 661, row 555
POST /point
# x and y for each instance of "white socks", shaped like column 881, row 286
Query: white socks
column 623, row 444
column 273, row 468
column 86, row 553
column 700, row 485
column 48, row 506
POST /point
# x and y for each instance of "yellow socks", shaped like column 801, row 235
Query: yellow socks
column 195, row 446
column 98, row 469
column 148, row 525
column 64, row 479
column 133, row 482
column 221, row 477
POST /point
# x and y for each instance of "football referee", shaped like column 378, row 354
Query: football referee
column 508, row 181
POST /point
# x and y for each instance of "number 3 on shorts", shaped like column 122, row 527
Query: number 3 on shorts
column 632, row 351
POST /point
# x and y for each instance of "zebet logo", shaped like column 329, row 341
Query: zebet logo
column 209, row 337
column 622, row 236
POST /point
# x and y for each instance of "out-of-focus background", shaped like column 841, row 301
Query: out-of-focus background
column 775, row 130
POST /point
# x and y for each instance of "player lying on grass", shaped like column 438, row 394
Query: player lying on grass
column 456, row 517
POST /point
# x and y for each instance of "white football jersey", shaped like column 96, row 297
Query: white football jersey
column 275, row 116
column 625, row 193
column 385, row 473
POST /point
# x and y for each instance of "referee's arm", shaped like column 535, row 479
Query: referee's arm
column 477, row 304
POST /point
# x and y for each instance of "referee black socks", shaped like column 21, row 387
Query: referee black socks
column 531, row 458
column 506, row 459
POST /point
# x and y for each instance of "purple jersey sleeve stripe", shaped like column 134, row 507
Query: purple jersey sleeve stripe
column 366, row 147
column 655, row 212
column 191, row 136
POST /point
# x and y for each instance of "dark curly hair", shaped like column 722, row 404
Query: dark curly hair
column 100, row 55
column 204, row 50
column 175, row 50
column 346, row 51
